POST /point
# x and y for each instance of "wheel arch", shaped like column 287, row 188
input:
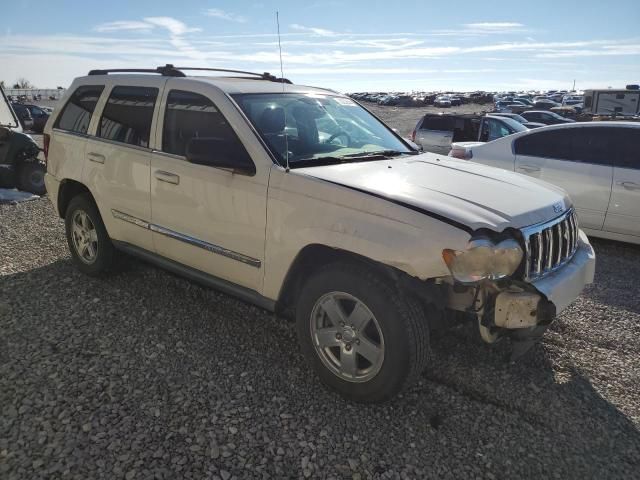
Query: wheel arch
column 314, row 256
column 69, row 189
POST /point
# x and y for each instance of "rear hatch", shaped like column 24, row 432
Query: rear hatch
column 8, row 117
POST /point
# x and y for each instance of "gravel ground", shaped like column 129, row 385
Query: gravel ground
column 146, row 375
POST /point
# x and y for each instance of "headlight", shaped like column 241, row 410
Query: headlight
column 483, row 259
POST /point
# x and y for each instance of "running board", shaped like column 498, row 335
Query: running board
column 197, row 276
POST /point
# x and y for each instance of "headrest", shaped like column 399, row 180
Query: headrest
column 272, row 120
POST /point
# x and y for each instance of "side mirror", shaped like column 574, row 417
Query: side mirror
column 220, row 153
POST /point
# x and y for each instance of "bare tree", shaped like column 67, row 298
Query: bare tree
column 23, row 83
column 2, row 84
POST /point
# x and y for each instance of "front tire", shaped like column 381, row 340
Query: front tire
column 31, row 178
column 87, row 237
column 363, row 338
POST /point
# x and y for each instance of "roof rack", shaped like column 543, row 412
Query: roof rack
column 169, row 70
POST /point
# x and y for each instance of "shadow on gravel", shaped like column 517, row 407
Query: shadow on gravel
column 145, row 367
column 617, row 274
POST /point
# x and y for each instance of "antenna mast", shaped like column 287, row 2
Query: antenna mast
column 286, row 140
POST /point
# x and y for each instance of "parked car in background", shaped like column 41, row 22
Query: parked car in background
column 548, row 118
column 19, row 164
column 40, row 117
column 597, row 163
column 442, row 101
column 24, row 115
column 519, row 119
column 436, row 132
column 544, row 104
column 570, row 100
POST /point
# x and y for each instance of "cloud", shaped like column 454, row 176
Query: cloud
column 314, row 30
column 231, row 17
column 127, row 25
column 493, row 26
column 175, row 27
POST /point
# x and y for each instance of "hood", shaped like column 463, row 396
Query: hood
column 7, row 115
column 463, row 192
column 534, row 124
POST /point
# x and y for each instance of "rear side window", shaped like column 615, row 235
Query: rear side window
column 127, row 115
column 593, row 145
column 550, row 144
column 190, row 115
column 437, row 123
column 76, row 114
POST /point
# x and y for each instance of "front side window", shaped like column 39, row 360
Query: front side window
column 127, row 115
column 76, row 114
column 191, row 115
column 311, row 129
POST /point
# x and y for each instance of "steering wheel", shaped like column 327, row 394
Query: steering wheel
column 341, row 133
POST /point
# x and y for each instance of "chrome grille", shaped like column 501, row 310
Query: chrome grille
column 550, row 245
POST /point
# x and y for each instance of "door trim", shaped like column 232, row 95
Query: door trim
column 245, row 294
column 210, row 247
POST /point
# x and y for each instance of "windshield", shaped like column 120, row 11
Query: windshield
column 512, row 125
column 317, row 128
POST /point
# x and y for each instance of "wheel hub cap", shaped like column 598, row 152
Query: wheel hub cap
column 347, row 337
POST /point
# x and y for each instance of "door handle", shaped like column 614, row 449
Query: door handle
column 96, row 157
column 167, row 177
column 629, row 185
column 529, row 168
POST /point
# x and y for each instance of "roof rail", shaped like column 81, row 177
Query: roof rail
column 264, row 76
column 166, row 71
column 169, row 70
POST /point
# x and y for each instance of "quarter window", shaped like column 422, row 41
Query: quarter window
column 76, row 114
column 190, row 115
column 127, row 115
column 440, row 123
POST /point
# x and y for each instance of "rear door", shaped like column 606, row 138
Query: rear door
column 70, row 132
column 436, row 133
column 623, row 215
column 576, row 159
column 118, row 160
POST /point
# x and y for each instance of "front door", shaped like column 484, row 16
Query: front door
column 207, row 218
column 576, row 159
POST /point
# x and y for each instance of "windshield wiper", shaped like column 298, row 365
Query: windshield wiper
column 378, row 153
column 351, row 157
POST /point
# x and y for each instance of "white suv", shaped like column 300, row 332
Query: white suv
column 299, row 200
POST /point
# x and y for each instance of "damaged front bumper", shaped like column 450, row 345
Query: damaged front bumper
column 524, row 310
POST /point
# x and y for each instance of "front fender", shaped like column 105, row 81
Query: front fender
column 303, row 211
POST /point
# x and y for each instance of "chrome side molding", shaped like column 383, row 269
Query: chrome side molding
column 210, row 247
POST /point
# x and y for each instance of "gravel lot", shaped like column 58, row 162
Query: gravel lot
column 146, row 375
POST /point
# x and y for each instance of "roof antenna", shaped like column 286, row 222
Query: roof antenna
column 286, row 140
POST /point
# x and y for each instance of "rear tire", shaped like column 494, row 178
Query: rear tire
column 373, row 345
column 87, row 237
column 31, row 177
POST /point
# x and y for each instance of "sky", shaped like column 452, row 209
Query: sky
column 348, row 45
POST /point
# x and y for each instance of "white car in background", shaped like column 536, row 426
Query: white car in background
column 596, row 163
